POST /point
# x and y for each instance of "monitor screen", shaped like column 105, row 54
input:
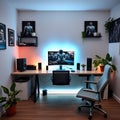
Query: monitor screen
column 60, row 57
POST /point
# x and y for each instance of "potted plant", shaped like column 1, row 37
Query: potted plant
column 83, row 34
column 108, row 24
column 83, row 66
column 10, row 101
column 100, row 61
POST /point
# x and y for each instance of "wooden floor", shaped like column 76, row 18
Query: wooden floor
column 61, row 107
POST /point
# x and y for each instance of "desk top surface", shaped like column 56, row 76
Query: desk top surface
column 40, row 72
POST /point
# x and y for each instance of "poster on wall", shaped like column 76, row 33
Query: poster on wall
column 114, row 35
column 90, row 27
column 2, row 36
column 11, row 37
column 28, row 27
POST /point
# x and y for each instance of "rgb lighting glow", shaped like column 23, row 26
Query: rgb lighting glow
column 57, row 44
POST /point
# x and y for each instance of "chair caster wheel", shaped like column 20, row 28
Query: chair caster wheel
column 90, row 117
column 99, row 106
column 82, row 99
column 105, row 115
column 79, row 108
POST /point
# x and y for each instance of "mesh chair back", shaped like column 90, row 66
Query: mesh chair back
column 104, row 80
column 61, row 77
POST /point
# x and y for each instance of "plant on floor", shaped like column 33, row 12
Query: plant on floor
column 11, row 99
column 100, row 61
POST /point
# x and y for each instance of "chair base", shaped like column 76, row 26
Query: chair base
column 92, row 107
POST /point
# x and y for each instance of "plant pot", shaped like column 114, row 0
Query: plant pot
column 11, row 111
column 101, row 68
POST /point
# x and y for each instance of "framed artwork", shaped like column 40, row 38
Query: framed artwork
column 2, row 36
column 114, row 34
column 90, row 27
column 28, row 27
column 11, row 37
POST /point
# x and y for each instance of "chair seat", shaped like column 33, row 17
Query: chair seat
column 85, row 94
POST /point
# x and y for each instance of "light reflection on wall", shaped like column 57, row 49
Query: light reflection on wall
column 60, row 91
column 56, row 45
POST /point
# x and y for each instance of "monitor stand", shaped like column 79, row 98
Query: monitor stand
column 60, row 67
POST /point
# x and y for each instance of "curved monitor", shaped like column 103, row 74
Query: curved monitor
column 60, row 57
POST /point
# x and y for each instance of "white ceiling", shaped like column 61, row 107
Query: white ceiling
column 64, row 4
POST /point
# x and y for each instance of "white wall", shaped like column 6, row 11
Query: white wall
column 114, row 49
column 62, row 30
column 115, row 12
column 7, row 17
column 61, row 27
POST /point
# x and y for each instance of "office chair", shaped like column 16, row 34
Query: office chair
column 93, row 96
column 61, row 77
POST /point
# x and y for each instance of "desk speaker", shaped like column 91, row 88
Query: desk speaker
column 21, row 64
column 39, row 66
column 78, row 66
column 89, row 64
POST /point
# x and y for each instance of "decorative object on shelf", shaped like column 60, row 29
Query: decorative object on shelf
column 2, row 36
column 33, row 34
column 114, row 33
column 28, row 27
column 108, row 24
column 11, row 100
column 11, row 37
column 101, row 62
column 83, row 66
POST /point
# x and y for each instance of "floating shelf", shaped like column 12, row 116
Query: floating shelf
column 92, row 37
column 28, row 41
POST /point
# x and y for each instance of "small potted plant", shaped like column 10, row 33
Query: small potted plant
column 83, row 34
column 83, row 66
column 100, row 61
column 9, row 102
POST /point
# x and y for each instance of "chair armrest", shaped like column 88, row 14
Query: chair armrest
column 90, row 90
column 91, row 82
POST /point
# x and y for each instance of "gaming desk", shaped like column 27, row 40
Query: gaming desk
column 37, row 73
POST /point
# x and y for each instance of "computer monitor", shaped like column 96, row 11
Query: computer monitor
column 60, row 57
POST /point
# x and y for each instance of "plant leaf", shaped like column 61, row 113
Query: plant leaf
column 12, row 88
column 6, row 90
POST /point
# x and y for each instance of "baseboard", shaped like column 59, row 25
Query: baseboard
column 116, row 98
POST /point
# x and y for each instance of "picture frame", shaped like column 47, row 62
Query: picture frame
column 28, row 27
column 90, row 27
column 114, row 34
column 11, row 37
column 2, row 36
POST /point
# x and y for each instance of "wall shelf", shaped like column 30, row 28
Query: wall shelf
column 93, row 37
column 28, row 41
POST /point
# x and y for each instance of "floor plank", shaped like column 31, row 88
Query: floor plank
column 61, row 107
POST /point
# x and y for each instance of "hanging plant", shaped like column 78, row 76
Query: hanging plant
column 108, row 24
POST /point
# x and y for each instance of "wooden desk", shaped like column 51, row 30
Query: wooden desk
column 36, row 73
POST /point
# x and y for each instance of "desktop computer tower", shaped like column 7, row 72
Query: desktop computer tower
column 21, row 64
column 89, row 64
